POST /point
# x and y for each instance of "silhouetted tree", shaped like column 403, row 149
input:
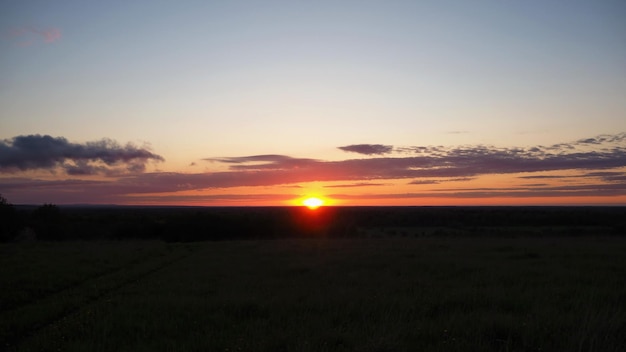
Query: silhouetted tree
column 9, row 222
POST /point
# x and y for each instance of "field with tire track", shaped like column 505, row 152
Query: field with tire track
column 402, row 294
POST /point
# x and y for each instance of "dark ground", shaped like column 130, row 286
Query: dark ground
column 334, row 279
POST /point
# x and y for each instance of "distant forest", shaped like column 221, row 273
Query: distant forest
column 183, row 224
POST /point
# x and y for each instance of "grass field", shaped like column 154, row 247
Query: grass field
column 413, row 294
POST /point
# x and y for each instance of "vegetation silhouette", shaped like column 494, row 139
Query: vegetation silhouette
column 191, row 224
column 330, row 279
column 9, row 221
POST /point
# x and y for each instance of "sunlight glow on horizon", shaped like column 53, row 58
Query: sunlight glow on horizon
column 313, row 202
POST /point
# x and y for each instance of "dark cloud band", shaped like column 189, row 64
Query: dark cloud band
column 46, row 152
column 368, row 149
column 599, row 163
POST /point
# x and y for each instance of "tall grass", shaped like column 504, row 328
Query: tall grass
column 423, row 294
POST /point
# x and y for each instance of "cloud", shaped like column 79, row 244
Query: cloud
column 368, row 149
column 436, row 182
column 359, row 184
column 264, row 162
column 527, row 191
column 608, row 176
column 533, row 191
column 601, row 139
column 110, row 192
column 455, row 164
column 599, row 165
column 424, row 182
column 546, row 176
column 27, row 183
column 52, row 153
column 49, row 35
column 26, row 36
column 203, row 198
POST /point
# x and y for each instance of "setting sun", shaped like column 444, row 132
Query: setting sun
column 313, row 202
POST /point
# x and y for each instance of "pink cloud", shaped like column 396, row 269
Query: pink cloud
column 600, row 164
column 26, row 36
column 49, row 35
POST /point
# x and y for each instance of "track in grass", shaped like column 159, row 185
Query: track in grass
column 365, row 295
column 21, row 322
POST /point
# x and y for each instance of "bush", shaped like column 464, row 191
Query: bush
column 9, row 221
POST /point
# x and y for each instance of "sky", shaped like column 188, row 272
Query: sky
column 250, row 103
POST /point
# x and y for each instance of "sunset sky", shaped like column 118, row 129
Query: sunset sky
column 357, row 102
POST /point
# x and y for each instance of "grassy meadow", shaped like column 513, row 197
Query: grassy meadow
column 389, row 294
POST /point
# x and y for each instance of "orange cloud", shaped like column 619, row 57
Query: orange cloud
column 597, row 164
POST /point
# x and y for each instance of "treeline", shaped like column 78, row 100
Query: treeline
column 180, row 224
column 44, row 222
column 173, row 224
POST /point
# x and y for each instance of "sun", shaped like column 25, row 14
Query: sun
column 313, row 202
